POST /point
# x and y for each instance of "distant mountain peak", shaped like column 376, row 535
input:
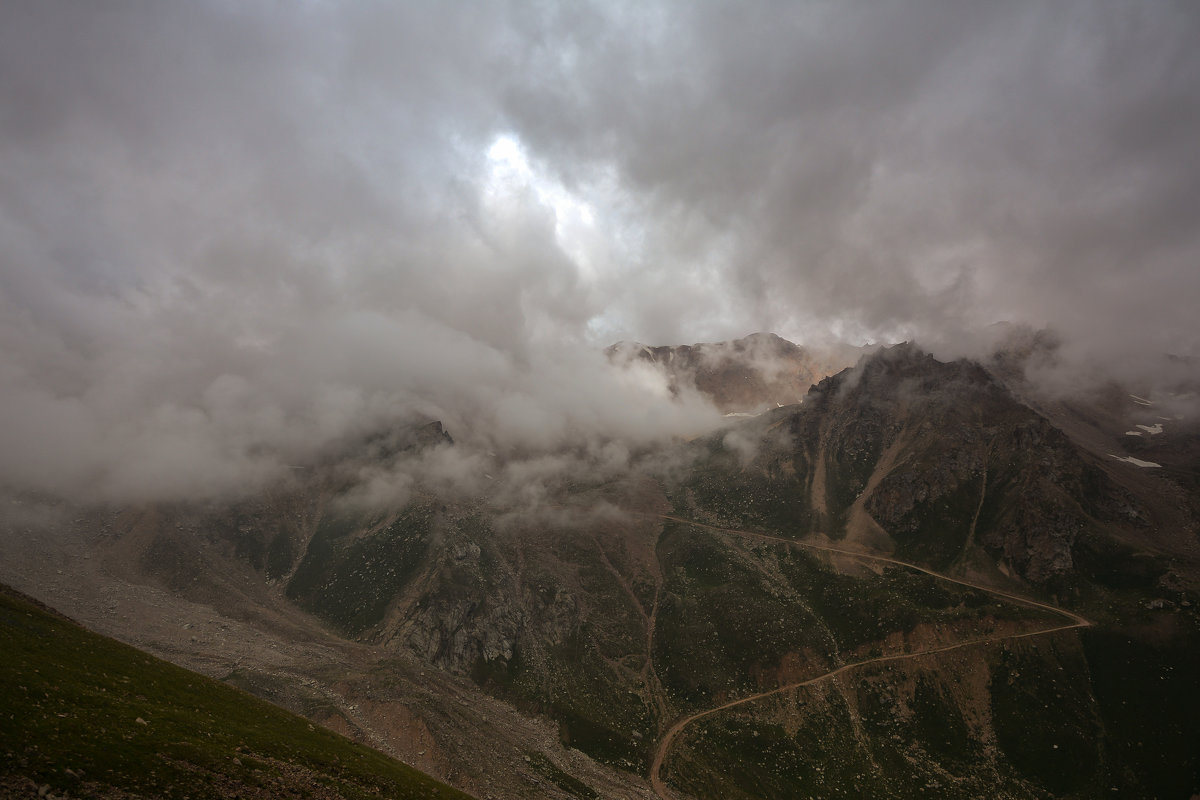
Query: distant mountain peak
column 746, row 375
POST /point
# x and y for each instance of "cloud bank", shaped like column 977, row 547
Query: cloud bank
column 232, row 234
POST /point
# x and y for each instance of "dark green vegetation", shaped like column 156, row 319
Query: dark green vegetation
column 889, row 733
column 90, row 716
column 725, row 628
column 581, row 657
column 884, row 732
column 1070, row 720
column 734, row 618
column 959, row 475
column 354, row 567
column 764, row 761
column 860, row 610
column 552, row 621
column 771, row 493
column 738, row 616
column 1045, row 718
column 547, row 769
column 740, row 620
column 1148, row 699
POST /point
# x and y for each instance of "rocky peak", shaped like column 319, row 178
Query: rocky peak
column 744, row 375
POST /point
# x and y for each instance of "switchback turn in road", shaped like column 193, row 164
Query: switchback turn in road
column 664, row 744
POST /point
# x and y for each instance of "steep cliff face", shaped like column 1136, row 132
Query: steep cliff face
column 974, row 468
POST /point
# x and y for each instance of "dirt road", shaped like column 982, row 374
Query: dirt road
column 664, row 744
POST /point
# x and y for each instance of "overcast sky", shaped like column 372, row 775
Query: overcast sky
column 230, row 232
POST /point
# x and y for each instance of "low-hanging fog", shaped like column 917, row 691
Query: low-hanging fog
column 234, row 234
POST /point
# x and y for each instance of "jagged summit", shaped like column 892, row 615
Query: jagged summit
column 747, row 375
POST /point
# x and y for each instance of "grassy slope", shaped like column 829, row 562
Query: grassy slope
column 130, row 725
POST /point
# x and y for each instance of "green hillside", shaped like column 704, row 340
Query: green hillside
column 92, row 717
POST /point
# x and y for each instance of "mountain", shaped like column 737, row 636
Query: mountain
column 941, row 465
column 928, row 577
column 741, row 376
column 85, row 716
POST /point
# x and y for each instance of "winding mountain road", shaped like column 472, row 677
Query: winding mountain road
column 664, row 744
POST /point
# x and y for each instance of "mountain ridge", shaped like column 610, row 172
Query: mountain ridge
column 597, row 616
column 744, row 375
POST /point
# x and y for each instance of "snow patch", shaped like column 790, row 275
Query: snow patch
column 1154, row 429
column 1141, row 400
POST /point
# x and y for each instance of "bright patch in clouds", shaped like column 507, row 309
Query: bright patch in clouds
column 512, row 181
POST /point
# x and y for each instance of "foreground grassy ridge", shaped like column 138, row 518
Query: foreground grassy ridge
column 123, row 721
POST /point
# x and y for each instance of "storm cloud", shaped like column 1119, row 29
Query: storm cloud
column 233, row 233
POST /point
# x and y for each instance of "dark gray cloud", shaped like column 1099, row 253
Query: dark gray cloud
column 231, row 233
column 909, row 166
